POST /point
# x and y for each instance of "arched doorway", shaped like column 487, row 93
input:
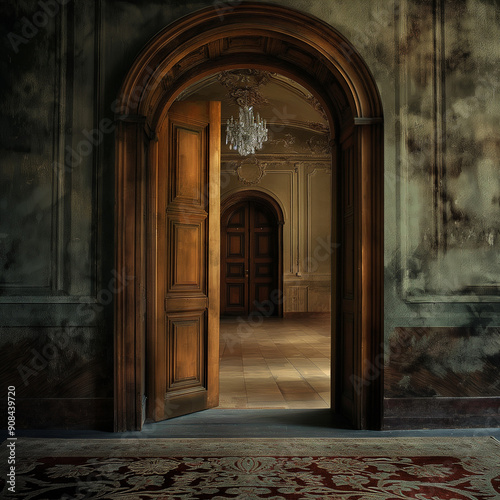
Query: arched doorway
column 255, row 35
column 251, row 255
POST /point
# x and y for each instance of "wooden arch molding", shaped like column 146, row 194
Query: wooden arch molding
column 311, row 52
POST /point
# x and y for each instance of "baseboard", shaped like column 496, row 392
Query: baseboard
column 441, row 413
column 63, row 413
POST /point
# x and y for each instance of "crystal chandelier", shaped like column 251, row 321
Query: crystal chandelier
column 246, row 135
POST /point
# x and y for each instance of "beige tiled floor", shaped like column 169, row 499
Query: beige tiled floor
column 275, row 363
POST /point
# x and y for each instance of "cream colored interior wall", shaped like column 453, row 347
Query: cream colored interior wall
column 302, row 187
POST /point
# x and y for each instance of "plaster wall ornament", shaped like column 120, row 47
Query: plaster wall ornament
column 319, row 145
column 250, row 171
column 287, row 141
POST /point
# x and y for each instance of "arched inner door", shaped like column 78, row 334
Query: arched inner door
column 249, row 260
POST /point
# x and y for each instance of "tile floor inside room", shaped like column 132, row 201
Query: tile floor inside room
column 275, row 363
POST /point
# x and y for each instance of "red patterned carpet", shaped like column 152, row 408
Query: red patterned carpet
column 374, row 469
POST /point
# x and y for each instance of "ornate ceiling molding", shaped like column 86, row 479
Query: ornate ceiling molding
column 244, row 86
column 287, row 141
column 317, row 106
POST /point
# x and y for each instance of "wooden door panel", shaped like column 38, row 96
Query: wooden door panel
column 262, row 292
column 263, row 263
column 186, row 354
column 237, row 219
column 236, row 295
column 188, row 172
column 185, row 373
column 187, row 254
column 264, row 270
column 236, row 245
column 234, row 279
column 263, row 245
column 235, row 270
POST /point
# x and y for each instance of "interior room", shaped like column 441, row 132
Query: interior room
column 276, row 356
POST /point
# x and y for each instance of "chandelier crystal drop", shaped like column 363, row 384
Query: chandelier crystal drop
column 247, row 134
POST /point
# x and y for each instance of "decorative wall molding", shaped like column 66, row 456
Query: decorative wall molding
column 314, row 169
column 279, row 158
column 287, row 141
column 315, row 165
column 405, row 34
column 250, row 171
column 58, row 235
column 292, row 175
column 68, row 124
column 319, row 279
column 409, row 35
column 319, row 145
column 29, row 293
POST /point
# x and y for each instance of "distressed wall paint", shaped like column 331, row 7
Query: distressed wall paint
column 28, row 88
column 451, row 144
column 443, row 362
column 68, row 362
column 438, row 75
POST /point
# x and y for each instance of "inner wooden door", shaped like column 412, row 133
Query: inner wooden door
column 249, row 264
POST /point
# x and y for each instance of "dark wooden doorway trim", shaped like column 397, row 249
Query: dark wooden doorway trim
column 274, row 206
column 261, row 36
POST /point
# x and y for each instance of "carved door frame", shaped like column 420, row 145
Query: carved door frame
column 274, row 206
column 260, row 36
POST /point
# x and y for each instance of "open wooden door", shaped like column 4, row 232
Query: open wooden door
column 184, row 376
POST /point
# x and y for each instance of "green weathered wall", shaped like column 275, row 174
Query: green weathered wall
column 437, row 71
